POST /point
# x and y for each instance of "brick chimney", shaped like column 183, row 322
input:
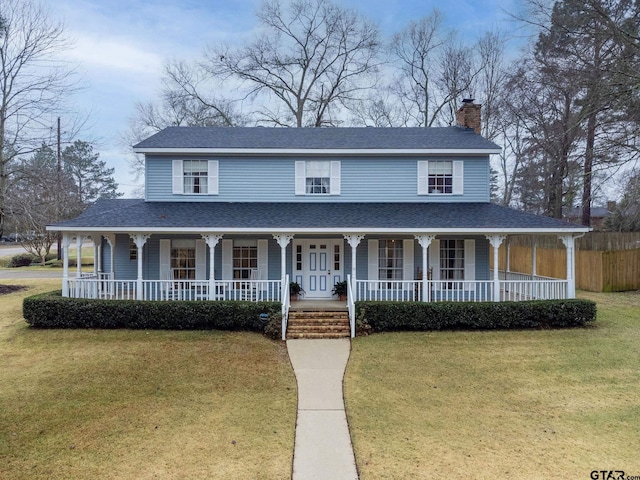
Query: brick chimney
column 468, row 116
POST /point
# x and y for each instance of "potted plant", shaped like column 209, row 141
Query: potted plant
column 295, row 290
column 340, row 289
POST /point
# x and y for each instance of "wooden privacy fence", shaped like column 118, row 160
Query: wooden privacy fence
column 596, row 271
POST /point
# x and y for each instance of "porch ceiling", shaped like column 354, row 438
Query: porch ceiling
column 136, row 215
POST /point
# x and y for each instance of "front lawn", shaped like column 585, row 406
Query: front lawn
column 500, row 404
column 114, row 404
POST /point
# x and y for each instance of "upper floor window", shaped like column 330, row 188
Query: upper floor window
column 195, row 177
column 440, row 177
column 317, row 177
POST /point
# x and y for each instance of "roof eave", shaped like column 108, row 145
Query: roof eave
column 318, row 151
column 337, row 230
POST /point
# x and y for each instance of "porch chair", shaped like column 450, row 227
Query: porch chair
column 167, row 286
column 256, row 288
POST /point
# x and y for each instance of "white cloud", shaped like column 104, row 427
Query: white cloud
column 114, row 54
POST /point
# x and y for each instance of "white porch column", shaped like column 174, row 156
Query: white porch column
column 139, row 239
column 111, row 240
column 66, row 240
column 97, row 253
column 425, row 241
column 283, row 241
column 507, row 246
column 212, row 241
column 569, row 243
column 79, row 240
column 495, row 241
column 534, row 259
column 353, row 241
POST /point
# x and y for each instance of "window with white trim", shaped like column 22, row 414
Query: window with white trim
column 452, row 262
column 245, row 258
column 317, row 177
column 183, row 259
column 195, row 177
column 440, row 177
column 390, row 259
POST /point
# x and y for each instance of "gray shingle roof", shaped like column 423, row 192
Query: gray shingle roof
column 317, row 138
column 126, row 214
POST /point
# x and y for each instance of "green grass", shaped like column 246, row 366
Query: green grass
column 114, row 404
column 521, row 404
column 86, row 259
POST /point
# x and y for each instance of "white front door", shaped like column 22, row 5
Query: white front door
column 317, row 266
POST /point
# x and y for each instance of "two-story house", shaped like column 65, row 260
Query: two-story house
column 238, row 213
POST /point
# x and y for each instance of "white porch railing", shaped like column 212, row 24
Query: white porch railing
column 459, row 291
column 101, row 286
column 252, row 290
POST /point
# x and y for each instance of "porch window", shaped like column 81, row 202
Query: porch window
column 390, row 259
column 317, row 177
column 183, row 259
column 133, row 250
column 245, row 258
column 452, row 262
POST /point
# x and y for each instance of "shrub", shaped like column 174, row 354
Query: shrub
column 21, row 260
column 387, row 316
column 51, row 310
column 273, row 328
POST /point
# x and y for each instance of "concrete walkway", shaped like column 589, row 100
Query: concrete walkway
column 323, row 448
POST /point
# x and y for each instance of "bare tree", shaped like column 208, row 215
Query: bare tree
column 312, row 58
column 36, row 201
column 549, row 113
column 416, row 48
column 594, row 45
column 33, row 84
column 181, row 102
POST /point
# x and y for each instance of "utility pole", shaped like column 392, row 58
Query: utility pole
column 58, row 191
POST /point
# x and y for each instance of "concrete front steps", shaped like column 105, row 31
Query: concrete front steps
column 318, row 324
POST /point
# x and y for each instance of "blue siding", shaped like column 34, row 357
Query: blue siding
column 379, row 179
column 126, row 269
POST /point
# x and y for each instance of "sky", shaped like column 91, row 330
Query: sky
column 121, row 47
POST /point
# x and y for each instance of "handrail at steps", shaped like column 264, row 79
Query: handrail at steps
column 351, row 306
column 285, row 305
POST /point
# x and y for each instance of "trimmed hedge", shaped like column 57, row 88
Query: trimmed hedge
column 388, row 316
column 51, row 310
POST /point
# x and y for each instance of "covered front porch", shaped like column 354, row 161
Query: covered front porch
column 375, row 266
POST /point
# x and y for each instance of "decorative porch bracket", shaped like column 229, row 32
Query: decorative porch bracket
column 283, row 241
column 569, row 244
column 212, row 241
column 425, row 241
column 139, row 239
column 496, row 241
column 353, row 241
column 66, row 241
